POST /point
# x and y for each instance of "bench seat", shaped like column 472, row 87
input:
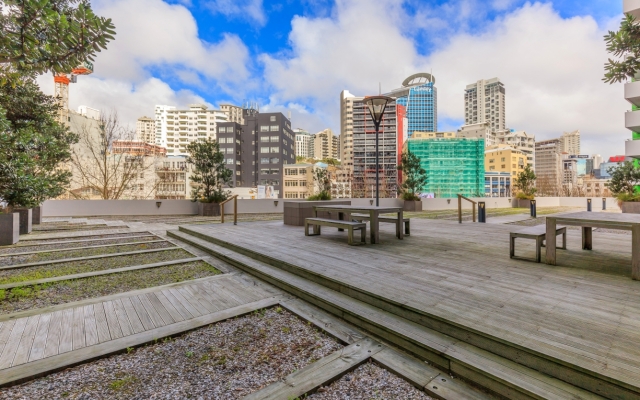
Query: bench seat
column 392, row 220
column 538, row 233
column 350, row 226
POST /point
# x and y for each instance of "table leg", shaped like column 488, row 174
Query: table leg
column 400, row 224
column 551, row 241
column 375, row 235
column 635, row 252
column 587, row 238
column 315, row 212
column 341, row 218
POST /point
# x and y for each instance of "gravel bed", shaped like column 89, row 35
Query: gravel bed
column 57, row 255
column 369, row 381
column 75, row 236
column 227, row 360
column 55, row 246
column 48, row 226
column 20, row 299
column 81, row 228
column 98, row 264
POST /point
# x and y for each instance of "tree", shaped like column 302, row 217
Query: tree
column 322, row 179
column 414, row 177
column 98, row 171
column 525, row 182
column 625, row 45
column 51, row 35
column 624, row 180
column 331, row 161
column 209, row 171
column 32, row 145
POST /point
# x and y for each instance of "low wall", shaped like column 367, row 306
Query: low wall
column 87, row 208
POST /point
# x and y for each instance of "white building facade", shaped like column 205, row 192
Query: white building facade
column 146, row 130
column 304, row 143
column 570, row 142
column 484, row 101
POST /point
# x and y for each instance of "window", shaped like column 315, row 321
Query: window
column 264, row 139
column 264, row 150
column 291, row 183
column 222, row 140
column 264, row 128
column 275, row 139
column 229, row 160
column 290, row 171
column 275, row 128
column 502, row 159
column 303, row 183
column 275, row 149
column 230, row 150
column 274, row 160
column 272, row 118
column 264, row 161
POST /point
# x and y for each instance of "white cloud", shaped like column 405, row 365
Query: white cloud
column 251, row 10
column 551, row 67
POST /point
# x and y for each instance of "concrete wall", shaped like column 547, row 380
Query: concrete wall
column 86, row 208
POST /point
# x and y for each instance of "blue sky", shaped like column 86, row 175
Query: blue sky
column 296, row 56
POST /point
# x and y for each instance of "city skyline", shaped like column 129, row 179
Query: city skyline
column 286, row 59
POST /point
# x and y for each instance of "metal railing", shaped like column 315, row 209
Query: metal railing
column 235, row 209
column 473, row 207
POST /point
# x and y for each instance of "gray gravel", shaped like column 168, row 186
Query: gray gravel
column 227, row 360
column 54, row 245
column 369, row 381
column 74, row 236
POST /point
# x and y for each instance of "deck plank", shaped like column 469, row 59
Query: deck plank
column 160, row 308
column 112, row 320
column 66, row 332
column 24, row 347
column 123, row 318
column 90, row 326
column 168, row 305
column 132, row 315
column 5, row 332
column 101, row 323
column 40, row 338
column 155, row 317
column 185, row 303
column 6, row 358
column 53, row 337
column 79, row 340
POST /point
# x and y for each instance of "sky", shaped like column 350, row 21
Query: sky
column 297, row 56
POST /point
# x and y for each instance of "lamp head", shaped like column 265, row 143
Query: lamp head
column 376, row 106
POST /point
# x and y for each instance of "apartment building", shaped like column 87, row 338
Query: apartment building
column 137, row 148
column 146, row 130
column 485, row 101
column 176, row 128
column 325, row 145
column 480, row 130
column 548, row 167
column 257, row 150
column 304, row 143
column 570, row 142
column 234, row 113
column 347, row 101
column 503, row 158
column 521, row 141
column 173, row 178
column 298, row 181
column 497, row 184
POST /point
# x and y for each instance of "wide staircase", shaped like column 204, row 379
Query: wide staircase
column 504, row 369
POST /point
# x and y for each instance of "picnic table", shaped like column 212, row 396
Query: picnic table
column 588, row 221
column 345, row 211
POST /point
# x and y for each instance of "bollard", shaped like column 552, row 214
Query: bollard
column 588, row 204
column 533, row 208
column 604, row 203
column 482, row 212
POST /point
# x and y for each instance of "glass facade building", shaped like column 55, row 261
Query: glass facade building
column 419, row 96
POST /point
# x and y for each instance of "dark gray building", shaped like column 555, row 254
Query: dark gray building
column 257, row 150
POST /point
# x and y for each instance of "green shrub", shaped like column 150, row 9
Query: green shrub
column 324, row 195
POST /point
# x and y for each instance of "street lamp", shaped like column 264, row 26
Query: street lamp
column 377, row 105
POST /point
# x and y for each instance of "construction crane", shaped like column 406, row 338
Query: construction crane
column 62, row 81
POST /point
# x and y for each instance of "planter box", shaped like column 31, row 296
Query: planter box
column 519, row 203
column 36, row 215
column 209, row 209
column 295, row 212
column 412, row 205
column 26, row 218
column 631, row 207
column 9, row 229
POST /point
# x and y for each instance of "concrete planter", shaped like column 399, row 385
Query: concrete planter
column 36, row 215
column 9, row 229
column 519, row 203
column 295, row 212
column 631, row 207
column 412, row 205
column 209, row 209
column 26, row 218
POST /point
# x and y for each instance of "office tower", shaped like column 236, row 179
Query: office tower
column 484, row 101
column 176, row 128
column 257, row 150
column 570, row 142
column 548, row 160
column 419, row 96
column 146, row 130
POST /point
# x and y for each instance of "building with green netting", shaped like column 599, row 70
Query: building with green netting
column 454, row 165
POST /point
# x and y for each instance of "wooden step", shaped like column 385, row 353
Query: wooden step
column 489, row 370
column 592, row 380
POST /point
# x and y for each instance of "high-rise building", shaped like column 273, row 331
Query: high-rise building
column 346, row 129
column 548, row 167
column 146, row 130
column 597, row 160
column 419, row 96
column 257, row 150
column 484, row 101
column 570, row 142
column 233, row 112
column 519, row 140
column 325, row 145
column 304, row 143
column 504, row 158
column 454, row 165
column 175, row 129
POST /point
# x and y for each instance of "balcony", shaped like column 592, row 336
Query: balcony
column 632, row 120
column 632, row 92
column 631, row 7
column 632, row 148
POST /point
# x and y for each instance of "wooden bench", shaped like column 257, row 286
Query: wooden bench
column 350, row 226
column 406, row 221
column 538, row 233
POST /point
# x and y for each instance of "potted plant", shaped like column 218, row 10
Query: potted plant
column 625, row 186
column 524, row 185
column 210, row 174
column 414, row 179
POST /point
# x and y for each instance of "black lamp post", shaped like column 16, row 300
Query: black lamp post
column 377, row 105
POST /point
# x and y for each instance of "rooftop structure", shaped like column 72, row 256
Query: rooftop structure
column 419, row 96
column 175, row 128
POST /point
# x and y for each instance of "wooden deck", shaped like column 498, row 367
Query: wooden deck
column 584, row 312
column 68, row 334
